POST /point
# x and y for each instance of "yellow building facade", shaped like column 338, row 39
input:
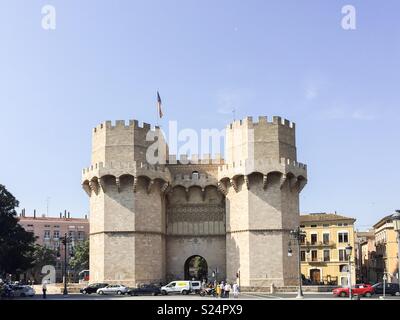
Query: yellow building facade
column 386, row 261
column 323, row 250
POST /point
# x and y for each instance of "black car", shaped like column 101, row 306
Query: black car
column 145, row 289
column 390, row 288
column 92, row 288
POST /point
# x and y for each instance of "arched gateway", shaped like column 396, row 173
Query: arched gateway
column 196, row 268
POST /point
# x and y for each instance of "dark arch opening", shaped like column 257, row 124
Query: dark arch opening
column 196, row 268
column 195, row 175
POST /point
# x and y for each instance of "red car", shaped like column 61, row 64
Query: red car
column 363, row 289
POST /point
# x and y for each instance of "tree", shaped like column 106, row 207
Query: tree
column 42, row 256
column 16, row 244
column 80, row 260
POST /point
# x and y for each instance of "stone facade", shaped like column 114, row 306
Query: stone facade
column 147, row 220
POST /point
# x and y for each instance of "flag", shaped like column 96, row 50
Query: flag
column 159, row 105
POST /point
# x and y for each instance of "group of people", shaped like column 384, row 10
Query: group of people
column 224, row 289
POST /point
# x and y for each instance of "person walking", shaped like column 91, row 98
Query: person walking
column 44, row 289
column 227, row 290
column 222, row 287
column 235, row 289
column 218, row 290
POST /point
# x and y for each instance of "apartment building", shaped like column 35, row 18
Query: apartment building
column 323, row 250
column 386, row 259
column 50, row 230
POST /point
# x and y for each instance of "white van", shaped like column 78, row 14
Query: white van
column 182, row 287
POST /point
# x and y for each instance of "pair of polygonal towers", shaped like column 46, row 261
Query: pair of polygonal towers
column 147, row 221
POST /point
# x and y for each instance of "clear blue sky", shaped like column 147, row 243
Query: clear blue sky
column 106, row 59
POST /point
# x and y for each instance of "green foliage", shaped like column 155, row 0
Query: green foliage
column 80, row 260
column 42, row 256
column 16, row 244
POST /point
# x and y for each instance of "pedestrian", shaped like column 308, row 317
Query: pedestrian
column 222, row 287
column 44, row 289
column 227, row 289
column 235, row 289
column 218, row 290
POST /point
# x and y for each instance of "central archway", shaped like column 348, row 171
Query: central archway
column 196, row 268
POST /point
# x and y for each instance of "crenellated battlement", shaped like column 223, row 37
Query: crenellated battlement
column 122, row 124
column 118, row 165
column 117, row 169
column 122, row 141
column 188, row 180
column 282, row 161
column 206, row 159
column 262, row 121
column 191, row 177
column 264, row 166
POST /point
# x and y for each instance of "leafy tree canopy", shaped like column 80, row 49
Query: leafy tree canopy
column 80, row 260
column 16, row 244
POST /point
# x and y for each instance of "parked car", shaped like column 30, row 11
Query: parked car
column 145, row 289
column 195, row 286
column 5, row 291
column 22, row 291
column 113, row 289
column 92, row 288
column 390, row 288
column 362, row 289
column 182, row 287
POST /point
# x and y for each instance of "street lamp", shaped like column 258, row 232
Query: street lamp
column 298, row 235
column 65, row 241
column 238, row 278
column 396, row 226
column 215, row 274
column 349, row 250
column 384, row 285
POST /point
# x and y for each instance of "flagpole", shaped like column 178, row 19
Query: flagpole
column 157, row 112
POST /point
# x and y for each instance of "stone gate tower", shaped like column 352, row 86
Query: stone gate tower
column 147, row 221
column 127, row 220
column 261, row 180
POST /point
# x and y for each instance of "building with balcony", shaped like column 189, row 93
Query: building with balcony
column 323, row 255
column 385, row 258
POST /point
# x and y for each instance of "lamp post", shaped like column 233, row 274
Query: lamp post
column 298, row 235
column 215, row 274
column 238, row 278
column 396, row 226
column 349, row 250
column 65, row 241
column 384, row 285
